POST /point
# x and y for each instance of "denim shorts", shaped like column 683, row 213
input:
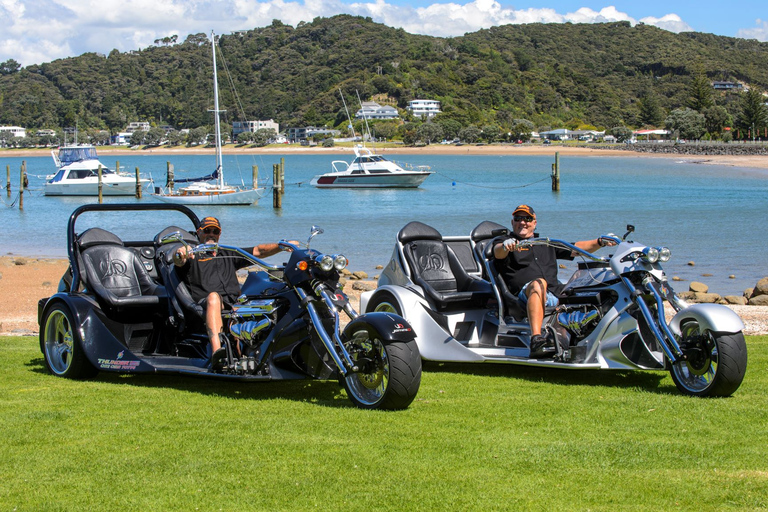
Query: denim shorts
column 552, row 301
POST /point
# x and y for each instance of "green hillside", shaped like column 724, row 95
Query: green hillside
column 554, row 75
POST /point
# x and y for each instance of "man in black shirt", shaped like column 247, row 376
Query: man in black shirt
column 212, row 278
column 531, row 272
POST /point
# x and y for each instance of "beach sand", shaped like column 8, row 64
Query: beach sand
column 24, row 281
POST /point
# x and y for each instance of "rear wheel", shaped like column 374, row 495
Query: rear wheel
column 389, row 372
column 62, row 347
column 715, row 364
column 384, row 302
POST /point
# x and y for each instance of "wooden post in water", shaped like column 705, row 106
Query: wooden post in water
column 8, row 180
column 117, row 166
column 169, row 177
column 101, row 185
column 21, row 183
column 138, row 184
column 282, row 176
column 556, row 173
column 277, row 200
column 255, row 170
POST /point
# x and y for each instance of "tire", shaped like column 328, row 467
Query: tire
column 390, row 373
column 716, row 362
column 384, row 302
column 61, row 344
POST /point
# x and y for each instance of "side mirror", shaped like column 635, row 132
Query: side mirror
column 499, row 232
column 630, row 229
column 316, row 230
column 170, row 238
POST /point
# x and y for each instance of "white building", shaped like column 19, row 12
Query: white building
column 137, row 125
column 372, row 110
column 254, row 126
column 45, row 133
column 14, row 131
column 428, row 108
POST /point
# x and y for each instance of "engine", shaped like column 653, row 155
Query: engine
column 251, row 321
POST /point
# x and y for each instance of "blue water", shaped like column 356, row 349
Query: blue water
column 711, row 215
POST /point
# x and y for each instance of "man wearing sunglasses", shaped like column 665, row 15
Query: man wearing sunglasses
column 212, row 278
column 531, row 273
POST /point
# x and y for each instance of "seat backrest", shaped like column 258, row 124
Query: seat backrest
column 117, row 270
column 178, row 292
column 428, row 260
column 482, row 237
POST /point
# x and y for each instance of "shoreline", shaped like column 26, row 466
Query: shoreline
column 753, row 161
column 26, row 280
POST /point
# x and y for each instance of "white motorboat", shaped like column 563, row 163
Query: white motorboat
column 211, row 190
column 78, row 175
column 369, row 170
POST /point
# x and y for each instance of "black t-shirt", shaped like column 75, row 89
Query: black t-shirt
column 522, row 267
column 206, row 274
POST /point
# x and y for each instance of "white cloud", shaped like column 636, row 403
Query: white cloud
column 760, row 32
column 43, row 30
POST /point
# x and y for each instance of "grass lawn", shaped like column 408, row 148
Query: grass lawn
column 478, row 437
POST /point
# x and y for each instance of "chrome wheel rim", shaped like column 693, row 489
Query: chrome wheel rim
column 369, row 386
column 699, row 373
column 385, row 307
column 58, row 342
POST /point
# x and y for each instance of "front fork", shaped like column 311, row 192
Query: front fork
column 659, row 328
column 333, row 344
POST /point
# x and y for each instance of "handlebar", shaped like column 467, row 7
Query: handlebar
column 567, row 245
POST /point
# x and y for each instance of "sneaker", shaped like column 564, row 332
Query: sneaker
column 541, row 347
column 218, row 359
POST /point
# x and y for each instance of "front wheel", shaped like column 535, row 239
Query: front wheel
column 715, row 364
column 62, row 347
column 389, row 373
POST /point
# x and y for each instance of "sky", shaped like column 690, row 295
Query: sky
column 38, row 31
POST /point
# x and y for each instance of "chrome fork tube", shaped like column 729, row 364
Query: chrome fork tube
column 650, row 320
column 663, row 321
column 345, row 364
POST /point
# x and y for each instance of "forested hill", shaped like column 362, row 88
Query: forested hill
column 550, row 74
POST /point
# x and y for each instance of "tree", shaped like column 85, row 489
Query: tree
column 263, row 136
column 753, row 116
column 429, row 133
column 521, row 129
column 451, row 128
column 470, row 134
column 196, row 136
column 137, row 137
column 621, row 133
column 154, row 136
column 688, row 123
column 9, row 67
column 700, row 92
column 650, row 109
column 716, row 118
column 491, row 132
column 244, row 137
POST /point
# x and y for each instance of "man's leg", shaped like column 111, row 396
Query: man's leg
column 213, row 320
column 537, row 297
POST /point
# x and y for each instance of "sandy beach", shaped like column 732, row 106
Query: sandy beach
column 754, row 161
column 24, row 281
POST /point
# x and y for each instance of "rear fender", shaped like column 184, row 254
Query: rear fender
column 390, row 327
column 713, row 317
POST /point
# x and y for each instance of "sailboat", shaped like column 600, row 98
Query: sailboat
column 210, row 189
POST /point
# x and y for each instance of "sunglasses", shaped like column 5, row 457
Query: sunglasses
column 521, row 218
column 212, row 231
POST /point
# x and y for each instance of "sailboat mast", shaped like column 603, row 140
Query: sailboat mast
column 219, row 165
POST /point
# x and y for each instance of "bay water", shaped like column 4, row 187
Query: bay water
column 711, row 215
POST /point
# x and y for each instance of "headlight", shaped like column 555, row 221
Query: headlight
column 664, row 254
column 651, row 254
column 325, row 262
column 340, row 262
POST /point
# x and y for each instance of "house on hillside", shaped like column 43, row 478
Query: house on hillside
column 137, row 125
column 428, row 108
column 372, row 110
column 239, row 127
column 299, row 134
column 14, row 131
column 559, row 134
column 727, row 86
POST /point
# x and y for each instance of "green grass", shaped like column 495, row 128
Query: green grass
column 478, row 437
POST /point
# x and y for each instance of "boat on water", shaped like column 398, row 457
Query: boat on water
column 369, row 170
column 78, row 175
column 210, row 189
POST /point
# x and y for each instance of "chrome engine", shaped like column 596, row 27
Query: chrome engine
column 580, row 321
column 250, row 321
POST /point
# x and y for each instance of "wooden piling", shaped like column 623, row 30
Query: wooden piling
column 101, row 185
column 255, row 170
column 277, row 199
column 169, row 177
column 282, row 176
column 138, row 184
column 556, row 173
column 21, row 183
column 8, row 180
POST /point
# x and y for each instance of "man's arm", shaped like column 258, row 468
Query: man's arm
column 593, row 245
column 265, row 250
column 502, row 249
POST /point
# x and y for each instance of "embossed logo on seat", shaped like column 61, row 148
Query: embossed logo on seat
column 432, row 262
column 113, row 268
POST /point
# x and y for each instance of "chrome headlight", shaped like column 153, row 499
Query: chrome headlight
column 664, row 254
column 340, row 262
column 325, row 262
column 651, row 254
